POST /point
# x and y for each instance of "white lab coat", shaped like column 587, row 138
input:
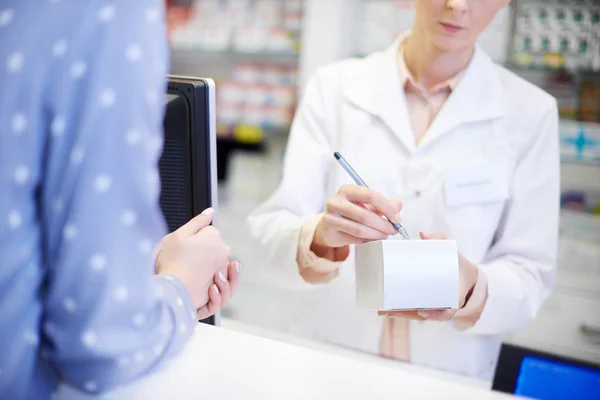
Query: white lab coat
column 493, row 121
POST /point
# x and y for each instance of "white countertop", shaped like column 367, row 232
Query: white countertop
column 224, row 364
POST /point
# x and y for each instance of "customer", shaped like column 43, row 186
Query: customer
column 81, row 115
column 469, row 148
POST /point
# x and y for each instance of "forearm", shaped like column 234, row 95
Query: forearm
column 124, row 347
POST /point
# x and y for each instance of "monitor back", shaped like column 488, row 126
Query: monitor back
column 188, row 162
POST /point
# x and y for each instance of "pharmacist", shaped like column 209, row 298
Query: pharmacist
column 463, row 147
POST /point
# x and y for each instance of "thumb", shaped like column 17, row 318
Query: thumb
column 435, row 236
column 198, row 222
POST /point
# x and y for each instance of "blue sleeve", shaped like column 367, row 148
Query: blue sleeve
column 108, row 319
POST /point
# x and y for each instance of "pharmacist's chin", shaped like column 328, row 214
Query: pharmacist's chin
column 451, row 43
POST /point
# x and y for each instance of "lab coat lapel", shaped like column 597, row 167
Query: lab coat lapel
column 378, row 91
column 477, row 97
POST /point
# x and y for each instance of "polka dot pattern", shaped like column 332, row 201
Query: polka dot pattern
column 128, row 218
column 14, row 220
column 91, row 386
column 70, row 232
column 19, row 123
column 57, row 128
column 121, row 294
column 60, row 48
column 15, row 62
column 138, row 320
column 108, row 97
column 78, row 69
column 77, row 155
column 21, row 174
column 106, row 13
column 89, row 339
column 145, row 247
column 102, row 183
column 101, row 141
column 133, row 137
column 133, row 53
column 98, row 262
column 6, row 16
column 70, row 304
column 31, row 338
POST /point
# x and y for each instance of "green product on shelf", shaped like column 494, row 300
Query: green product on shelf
column 546, row 44
column 564, row 44
column 583, row 46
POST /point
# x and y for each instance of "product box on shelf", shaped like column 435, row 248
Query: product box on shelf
column 580, row 141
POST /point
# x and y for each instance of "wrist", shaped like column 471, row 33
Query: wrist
column 322, row 250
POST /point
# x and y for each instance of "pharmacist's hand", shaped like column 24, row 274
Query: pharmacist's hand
column 195, row 253
column 353, row 216
column 221, row 291
column 466, row 282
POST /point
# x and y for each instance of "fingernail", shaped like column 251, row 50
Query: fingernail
column 222, row 277
column 423, row 314
column 208, row 211
column 238, row 266
column 216, row 289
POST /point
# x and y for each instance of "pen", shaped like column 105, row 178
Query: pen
column 362, row 183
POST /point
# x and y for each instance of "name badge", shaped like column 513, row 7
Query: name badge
column 476, row 183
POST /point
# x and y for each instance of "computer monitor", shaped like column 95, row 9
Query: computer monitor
column 188, row 170
column 544, row 376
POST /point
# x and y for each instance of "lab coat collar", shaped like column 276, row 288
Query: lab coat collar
column 378, row 91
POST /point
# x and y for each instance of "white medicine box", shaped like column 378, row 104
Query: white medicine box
column 407, row 275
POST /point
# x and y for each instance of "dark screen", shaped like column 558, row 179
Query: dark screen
column 175, row 164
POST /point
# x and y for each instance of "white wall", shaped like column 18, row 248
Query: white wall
column 327, row 34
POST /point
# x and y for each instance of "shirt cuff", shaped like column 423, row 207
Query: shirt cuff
column 171, row 289
column 306, row 258
column 468, row 315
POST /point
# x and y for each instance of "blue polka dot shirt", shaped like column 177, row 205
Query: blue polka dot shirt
column 82, row 85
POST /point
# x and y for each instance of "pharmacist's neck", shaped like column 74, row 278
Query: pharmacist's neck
column 430, row 65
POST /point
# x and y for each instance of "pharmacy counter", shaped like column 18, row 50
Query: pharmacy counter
column 224, row 364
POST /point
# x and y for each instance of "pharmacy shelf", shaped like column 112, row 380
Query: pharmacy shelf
column 579, row 71
column 584, row 163
column 284, row 57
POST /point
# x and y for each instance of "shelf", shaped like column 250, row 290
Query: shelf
column 287, row 58
column 514, row 67
column 584, row 163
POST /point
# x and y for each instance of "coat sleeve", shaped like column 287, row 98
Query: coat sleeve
column 291, row 214
column 520, row 267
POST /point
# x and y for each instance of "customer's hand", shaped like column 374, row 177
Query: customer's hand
column 466, row 282
column 221, row 291
column 195, row 253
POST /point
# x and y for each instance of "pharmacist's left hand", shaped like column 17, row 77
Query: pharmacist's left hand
column 467, row 279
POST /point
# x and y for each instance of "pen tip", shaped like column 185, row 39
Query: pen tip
column 337, row 155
